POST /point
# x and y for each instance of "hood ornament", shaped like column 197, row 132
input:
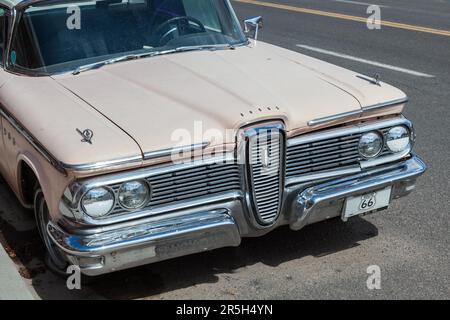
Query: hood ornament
column 87, row 135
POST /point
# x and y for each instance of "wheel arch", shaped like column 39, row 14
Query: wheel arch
column 27, row 179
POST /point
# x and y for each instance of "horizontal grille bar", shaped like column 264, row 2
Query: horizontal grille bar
column 322, row 155
column 190, row 184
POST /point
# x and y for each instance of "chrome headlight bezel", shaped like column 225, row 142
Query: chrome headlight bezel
column 145, row 200
column 371, row 137
column 99, row 213
column 399, row 133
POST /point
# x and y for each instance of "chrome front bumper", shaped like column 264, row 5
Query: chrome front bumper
column 222, row 224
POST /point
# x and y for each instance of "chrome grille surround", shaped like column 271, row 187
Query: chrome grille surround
column 265, row 163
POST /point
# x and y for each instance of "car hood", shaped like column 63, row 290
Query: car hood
column 194, row 97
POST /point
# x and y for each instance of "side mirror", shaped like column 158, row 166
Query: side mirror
column 253, row 24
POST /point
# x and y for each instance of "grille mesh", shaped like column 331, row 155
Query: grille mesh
column 328, row 154
column 266, row 169
column 190, row 184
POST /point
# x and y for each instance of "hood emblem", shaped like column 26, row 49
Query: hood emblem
column 265, row 159
column 87, row 135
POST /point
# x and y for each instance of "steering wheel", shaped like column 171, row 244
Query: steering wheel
column 181, row 25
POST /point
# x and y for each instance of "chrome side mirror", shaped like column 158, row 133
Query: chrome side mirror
column 253, row 24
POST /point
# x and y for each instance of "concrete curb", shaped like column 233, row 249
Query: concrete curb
column 12, row 286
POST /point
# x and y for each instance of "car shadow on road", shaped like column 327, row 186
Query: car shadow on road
column 279, row 246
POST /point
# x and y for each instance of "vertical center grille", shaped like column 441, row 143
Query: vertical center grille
column 266, row 169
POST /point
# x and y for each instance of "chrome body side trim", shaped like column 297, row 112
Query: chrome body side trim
column 58, row 165
column 138, row 158
column 103, row 164
column 363, row 110
column 34, row 142
column 385, row 104
column 168, row 152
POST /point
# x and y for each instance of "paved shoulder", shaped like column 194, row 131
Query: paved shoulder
column 12, row 286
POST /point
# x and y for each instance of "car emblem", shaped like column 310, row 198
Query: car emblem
column 87, row 135
column 265, row 160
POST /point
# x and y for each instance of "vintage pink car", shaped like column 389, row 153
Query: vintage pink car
column 143, row 130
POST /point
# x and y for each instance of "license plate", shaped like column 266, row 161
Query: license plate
column 375, row 200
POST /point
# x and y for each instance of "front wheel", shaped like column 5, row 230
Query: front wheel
column 54, row 259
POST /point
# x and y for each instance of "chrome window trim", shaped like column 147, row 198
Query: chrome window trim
column 8, row 24
column 363, row 110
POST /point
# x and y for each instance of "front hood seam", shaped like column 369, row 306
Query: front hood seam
column 101, row 113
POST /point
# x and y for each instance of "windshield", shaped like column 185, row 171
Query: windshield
column 63, row 36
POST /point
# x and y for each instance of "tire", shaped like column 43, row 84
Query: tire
column 54, row 259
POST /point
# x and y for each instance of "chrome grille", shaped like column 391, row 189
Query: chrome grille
column 266, row 154
column 318, row 156
column 190, row 184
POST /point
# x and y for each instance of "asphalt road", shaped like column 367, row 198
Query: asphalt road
column 410, row 242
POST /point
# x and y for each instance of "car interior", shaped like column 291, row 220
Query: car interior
column 110, row 27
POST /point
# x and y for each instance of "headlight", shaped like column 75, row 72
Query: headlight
column 98, row 202
column 134, row 195
column 398, row 139
column 370, row 145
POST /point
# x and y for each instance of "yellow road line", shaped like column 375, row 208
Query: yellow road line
column 346, row 17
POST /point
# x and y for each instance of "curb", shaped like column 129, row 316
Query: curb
column 12, row 285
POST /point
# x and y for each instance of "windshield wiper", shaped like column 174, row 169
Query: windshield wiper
column 100, row 64
column 211, row 47
column 127, row 57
